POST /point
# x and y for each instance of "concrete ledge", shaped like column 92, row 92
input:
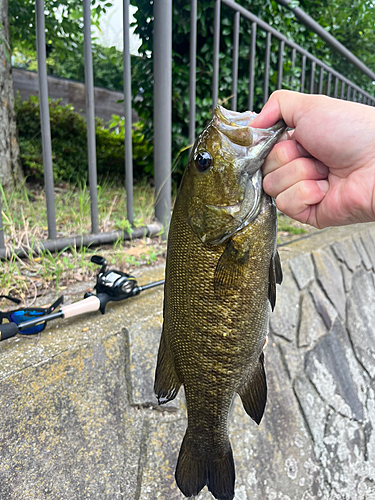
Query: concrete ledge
column 79, row 420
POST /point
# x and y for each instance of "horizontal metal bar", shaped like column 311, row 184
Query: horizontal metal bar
column 327, row 37
column 266, row 27
column 88, row 240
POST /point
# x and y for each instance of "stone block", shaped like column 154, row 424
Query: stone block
column 323, row 305
column 362, row 252
column 311, row 327
column 303, row 270
column 369, row 247
column 284, row 319
column 330, row 278
column 346, row 252
column 361, row 320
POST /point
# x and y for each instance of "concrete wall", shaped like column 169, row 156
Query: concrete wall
column 77, row 412
column 106, row 101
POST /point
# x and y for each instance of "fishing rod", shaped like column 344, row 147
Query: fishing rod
column 111, row 285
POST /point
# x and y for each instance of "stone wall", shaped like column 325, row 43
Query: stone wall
column 78, row 414
column 71, row 92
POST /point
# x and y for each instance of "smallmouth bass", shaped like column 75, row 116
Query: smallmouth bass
column 221, row 274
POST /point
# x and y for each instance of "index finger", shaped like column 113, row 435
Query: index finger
column 286, row 105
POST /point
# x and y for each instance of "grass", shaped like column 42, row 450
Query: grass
column 25, row 221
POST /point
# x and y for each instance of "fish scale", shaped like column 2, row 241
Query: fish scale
column 220, row 275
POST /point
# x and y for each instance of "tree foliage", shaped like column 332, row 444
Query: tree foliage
column 69, row 144
column 337, row 19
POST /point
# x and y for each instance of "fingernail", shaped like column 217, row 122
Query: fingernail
column 324, row 185
column 321, row 168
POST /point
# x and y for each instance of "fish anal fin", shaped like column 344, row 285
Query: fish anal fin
column 167, row 383
column 193, row 472
column 254, row 393
column 275, row 276
column 230, row 269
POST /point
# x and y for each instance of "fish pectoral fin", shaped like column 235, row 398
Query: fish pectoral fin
column 230, row 269
column 254, row 393
column 193, row 472
column 167, row 383
column 275, row 276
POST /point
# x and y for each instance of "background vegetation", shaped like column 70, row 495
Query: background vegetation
column 351, row 23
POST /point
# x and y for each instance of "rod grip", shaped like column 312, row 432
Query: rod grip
column 8, row 330
column 83, row 306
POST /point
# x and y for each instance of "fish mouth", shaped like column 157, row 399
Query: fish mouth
column 256, row 142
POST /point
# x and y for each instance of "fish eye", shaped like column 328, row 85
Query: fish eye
column 203, row 160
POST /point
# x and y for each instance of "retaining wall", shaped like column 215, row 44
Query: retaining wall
column 78, row 418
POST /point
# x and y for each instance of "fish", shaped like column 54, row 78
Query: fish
column 221, row 272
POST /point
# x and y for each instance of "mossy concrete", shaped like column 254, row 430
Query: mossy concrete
column 79, row 419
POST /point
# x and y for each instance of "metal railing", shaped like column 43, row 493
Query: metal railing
column 310, row 65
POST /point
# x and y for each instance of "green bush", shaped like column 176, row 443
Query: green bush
column 69, row 144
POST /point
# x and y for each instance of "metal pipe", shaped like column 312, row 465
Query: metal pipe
column 348, row 93
column 88, row 240
column 342, row 90
column 303, row 70
column 128, row 114
column 280, row 65
column 336, row 87
column 312, row 77
column 329, row 84
column 263, row 25
column 252, row 65
column 163, row 110
column 216, row 48
column 293, row 60
column 193, row 69
column 236, row 41
column 90, row 115
column 324, row 35
column 267, row 67
column 44, row 117
column 354, row 95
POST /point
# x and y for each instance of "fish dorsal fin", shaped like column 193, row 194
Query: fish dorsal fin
column 254, row 393
column 275, row 276
column 230, row 269
column 167, row 383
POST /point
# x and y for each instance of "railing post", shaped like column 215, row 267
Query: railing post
column 44, row 117
column 90, row 115
column 193, row 68
column 236, row 42
column 163, row 110
column 128, row 115
column 252, row 65
column 215, row 69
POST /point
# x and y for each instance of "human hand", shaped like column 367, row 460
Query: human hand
column 324, row 174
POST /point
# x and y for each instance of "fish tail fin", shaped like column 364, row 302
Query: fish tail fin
column 194, row 472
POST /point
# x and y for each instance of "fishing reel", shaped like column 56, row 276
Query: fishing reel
column 116, row 284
